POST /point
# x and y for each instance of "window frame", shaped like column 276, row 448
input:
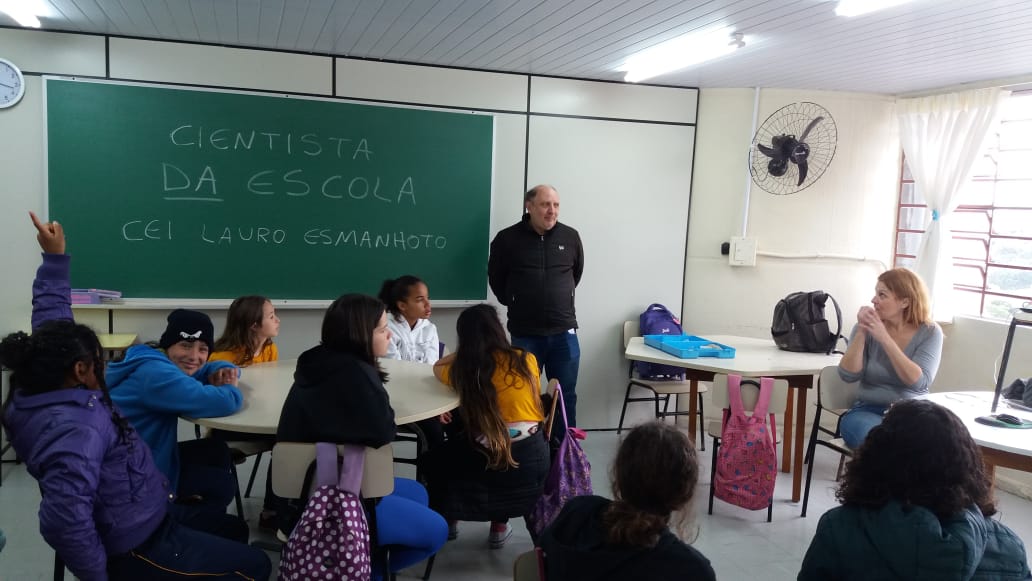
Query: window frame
column 984, row 264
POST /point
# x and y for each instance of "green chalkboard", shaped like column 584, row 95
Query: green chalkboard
column 180, row 193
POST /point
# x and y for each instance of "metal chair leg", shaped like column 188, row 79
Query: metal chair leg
column 713, row 473
column 236, row 497
column 254, row 471
column 811, row 448
column 623, row 412
column 429, row 567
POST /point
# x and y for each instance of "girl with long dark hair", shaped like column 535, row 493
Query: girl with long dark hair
column 496, row 465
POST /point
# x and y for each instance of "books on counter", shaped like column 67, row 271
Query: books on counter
column 95, row 296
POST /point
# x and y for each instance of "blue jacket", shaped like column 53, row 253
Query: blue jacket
column 153, row 393
column 900, row 542
column 101, row 496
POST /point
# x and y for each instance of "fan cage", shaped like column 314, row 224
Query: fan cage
column 792, row 120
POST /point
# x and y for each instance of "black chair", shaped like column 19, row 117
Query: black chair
column 661, row 390
column 834, row 396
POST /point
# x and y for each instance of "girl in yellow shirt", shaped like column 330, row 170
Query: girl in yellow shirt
column 495, row 466
column 250, row 326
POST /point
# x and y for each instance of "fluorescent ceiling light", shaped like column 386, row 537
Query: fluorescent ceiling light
column 24, row 12
column 858, row 7
column 680, row 53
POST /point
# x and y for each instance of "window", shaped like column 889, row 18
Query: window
column 992, row 227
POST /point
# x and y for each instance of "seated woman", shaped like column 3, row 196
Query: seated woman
column 916, row 503
column 338, row 396
column 893, row 352
column 495, row 466
column 105, row 505
column 595, row 539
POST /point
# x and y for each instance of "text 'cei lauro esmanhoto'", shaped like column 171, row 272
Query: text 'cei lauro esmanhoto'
column 165, row 230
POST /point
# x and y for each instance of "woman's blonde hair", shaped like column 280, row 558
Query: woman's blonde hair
column 905, row 284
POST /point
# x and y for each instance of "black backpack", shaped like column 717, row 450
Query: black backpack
column 800, row 325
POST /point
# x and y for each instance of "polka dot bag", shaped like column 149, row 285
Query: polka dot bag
column 331, row 541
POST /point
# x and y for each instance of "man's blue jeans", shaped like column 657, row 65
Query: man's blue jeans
column 559, row 357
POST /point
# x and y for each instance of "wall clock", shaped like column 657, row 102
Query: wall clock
column 12, row 84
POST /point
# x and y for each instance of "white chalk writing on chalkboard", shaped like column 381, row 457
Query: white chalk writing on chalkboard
column 294, row 183
column 310, row 144
column 162, row 230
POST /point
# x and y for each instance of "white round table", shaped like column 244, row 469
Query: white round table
column 414, row 391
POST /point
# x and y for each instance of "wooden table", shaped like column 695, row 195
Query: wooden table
column 415, row 395
column 753, row 358
column 1004, row 447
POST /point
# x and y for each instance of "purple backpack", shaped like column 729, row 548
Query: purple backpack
column 658, row 320
column 569, row 476
column 746, row 459
column 331, row 541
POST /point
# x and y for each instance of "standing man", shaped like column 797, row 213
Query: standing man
column 534, row 269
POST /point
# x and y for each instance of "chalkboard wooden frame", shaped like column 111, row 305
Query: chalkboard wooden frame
column 182, row 193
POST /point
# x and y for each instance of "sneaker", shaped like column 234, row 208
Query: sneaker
column 500, row 532
column 453, row 530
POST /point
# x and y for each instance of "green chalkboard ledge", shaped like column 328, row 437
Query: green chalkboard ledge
column 216, row 304
column 204, row 304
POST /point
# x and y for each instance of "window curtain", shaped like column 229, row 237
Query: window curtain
column 942, row 137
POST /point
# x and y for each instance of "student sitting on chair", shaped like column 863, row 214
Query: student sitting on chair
column 105, row 505
column 916, row 503
column 154, row 387
column 338, row 396
column 596, row 539
column 413, row 337
column 495, row 466
column 251, row 324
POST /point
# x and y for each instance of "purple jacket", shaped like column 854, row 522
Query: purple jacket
column 101, row 496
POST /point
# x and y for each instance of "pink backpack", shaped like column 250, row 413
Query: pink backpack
column 331, row 541
column 746, row 459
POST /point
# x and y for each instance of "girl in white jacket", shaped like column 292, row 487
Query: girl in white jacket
column 413, row 336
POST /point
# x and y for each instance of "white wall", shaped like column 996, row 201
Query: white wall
column 615, row 152
column 850, row 210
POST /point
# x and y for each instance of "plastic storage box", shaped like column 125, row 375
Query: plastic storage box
column 689, row 346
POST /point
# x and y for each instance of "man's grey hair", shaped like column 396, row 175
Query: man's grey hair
column 533, row 192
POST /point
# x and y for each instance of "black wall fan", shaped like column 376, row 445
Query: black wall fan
column 792, row 148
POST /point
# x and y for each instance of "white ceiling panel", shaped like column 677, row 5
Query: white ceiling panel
column 797, row 44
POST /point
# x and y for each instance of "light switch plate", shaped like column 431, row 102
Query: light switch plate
column 743, row 252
